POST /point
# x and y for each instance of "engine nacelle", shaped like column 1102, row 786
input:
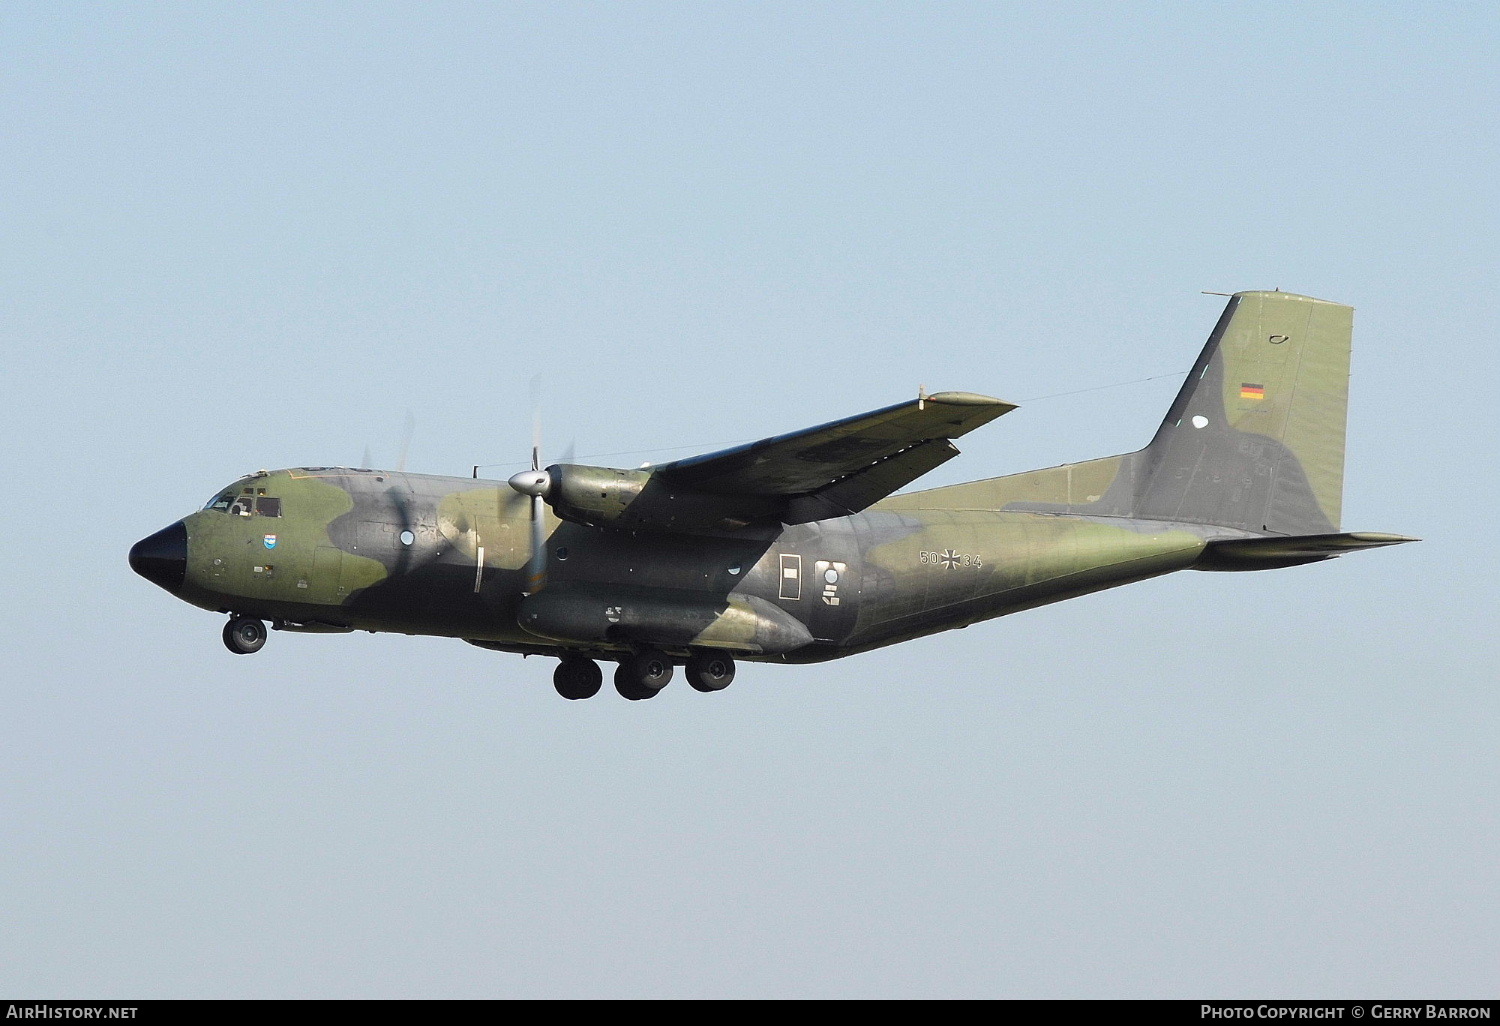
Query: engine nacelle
column 593, row 495
column 637, row 500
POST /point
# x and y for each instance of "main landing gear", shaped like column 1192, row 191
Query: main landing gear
column 710, row 671
column 576, row 677
column 642, row 675
column 244, row 635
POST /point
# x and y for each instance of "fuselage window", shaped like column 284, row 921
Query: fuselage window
column 243, row 505
column 220, row 502
column 267, row 506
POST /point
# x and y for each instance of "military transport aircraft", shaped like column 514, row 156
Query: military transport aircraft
column 793, row 549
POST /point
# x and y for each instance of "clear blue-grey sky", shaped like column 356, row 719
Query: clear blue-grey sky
column 256, row 235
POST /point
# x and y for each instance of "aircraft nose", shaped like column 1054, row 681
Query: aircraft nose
column 161, row 558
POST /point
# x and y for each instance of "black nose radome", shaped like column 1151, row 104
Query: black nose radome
column 162, row 557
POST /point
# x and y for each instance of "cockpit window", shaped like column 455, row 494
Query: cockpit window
column 239, row 502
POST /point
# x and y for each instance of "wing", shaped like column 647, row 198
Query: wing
column 840, row 467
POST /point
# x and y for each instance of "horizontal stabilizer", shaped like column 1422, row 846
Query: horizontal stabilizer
column 1279, row 551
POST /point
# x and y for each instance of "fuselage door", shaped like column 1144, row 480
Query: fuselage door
column 326, row 583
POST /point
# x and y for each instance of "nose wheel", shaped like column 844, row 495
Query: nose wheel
column 244, row 635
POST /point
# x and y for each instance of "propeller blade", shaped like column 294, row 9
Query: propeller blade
column 536, row 483
column 406, row 433
column 537, row 579
column 536, row 422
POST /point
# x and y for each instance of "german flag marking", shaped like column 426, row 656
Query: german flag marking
column 1249, row 391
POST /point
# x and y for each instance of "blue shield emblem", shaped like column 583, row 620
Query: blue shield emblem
column 270, row 541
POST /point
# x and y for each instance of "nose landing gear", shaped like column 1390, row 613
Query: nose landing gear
column 244, row 635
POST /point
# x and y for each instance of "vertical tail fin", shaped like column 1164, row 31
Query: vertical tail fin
column 1255, row 438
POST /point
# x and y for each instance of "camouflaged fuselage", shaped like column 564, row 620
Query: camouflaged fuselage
column 417, row 554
